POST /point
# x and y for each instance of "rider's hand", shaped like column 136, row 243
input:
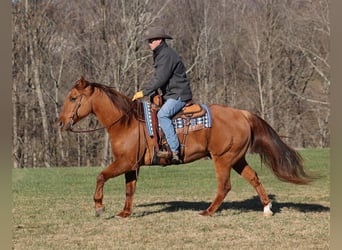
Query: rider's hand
column 138, row 95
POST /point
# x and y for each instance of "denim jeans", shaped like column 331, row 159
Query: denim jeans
column 166, row 112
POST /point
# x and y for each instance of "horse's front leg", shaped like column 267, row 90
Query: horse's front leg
column 131, row 181
column 98, row 196
column 110, row 171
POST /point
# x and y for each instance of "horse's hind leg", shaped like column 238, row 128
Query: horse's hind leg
column 251, row 176
column 223, row 186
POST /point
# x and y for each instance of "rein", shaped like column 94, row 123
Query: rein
column 89, row 130
column 138, row 156
column 96, row 129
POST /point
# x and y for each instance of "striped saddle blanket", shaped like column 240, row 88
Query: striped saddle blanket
column 179, row 123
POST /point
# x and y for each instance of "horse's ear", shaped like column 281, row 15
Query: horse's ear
column 82, row 83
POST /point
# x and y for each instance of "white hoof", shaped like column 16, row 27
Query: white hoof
column 267, row 210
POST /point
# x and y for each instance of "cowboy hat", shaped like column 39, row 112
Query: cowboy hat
column 156, row 32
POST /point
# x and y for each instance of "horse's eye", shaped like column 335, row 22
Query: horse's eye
column 73, row 98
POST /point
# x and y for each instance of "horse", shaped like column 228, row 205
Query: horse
column 234, row 132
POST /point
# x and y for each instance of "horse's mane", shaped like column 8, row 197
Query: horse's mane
column 127, row 107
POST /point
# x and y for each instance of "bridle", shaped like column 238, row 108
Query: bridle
column 138, row 158
column 75, row 115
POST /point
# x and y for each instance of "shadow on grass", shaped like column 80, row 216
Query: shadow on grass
column 252, row 204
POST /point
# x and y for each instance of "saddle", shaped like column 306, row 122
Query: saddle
column 190, row 111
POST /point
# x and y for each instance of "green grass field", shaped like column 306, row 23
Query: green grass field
column 54, row 209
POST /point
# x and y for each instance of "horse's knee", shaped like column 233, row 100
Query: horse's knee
column 100, row 178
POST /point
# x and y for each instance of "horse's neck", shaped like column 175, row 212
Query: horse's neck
column 105, row 111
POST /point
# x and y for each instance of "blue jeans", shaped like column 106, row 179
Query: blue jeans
column 166, row 112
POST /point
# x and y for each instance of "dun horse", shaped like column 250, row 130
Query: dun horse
column 233, row 132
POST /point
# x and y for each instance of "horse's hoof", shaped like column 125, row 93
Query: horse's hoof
column 99, row 211
column 268, row 213
column 123, row 214
column 267, row 210
column 204, row 213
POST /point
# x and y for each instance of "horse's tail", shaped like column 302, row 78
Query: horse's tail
column 285, row 162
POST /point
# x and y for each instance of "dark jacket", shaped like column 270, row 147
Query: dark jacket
column 169, row 76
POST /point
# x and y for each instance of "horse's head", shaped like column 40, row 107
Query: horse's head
column 76, row 105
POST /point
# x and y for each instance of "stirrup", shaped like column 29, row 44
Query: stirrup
column 163, row 154
column 175, row 158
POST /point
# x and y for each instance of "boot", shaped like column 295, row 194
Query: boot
column 175, row 158
column 163, row 154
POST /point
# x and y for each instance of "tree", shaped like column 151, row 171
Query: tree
column 266, row 56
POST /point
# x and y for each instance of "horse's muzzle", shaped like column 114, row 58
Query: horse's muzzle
column 65, row 127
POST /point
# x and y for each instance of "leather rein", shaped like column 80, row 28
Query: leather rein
column 74, row 114
column 138, row 159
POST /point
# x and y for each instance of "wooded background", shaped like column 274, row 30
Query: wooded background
column 270, row 57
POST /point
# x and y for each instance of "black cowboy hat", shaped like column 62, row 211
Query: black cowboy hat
column 156, row 32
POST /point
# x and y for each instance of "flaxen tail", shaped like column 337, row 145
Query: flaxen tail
column 285, row 162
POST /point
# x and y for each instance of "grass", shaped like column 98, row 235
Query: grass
column 53, row 209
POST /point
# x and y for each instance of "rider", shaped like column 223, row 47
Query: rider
column 170, row 77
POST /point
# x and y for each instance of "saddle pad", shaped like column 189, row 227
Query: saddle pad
column 179, row 124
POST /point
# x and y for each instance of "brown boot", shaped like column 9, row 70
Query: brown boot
column 175, row 158
column 163, row 154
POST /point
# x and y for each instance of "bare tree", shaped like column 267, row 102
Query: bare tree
column 267, row 56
